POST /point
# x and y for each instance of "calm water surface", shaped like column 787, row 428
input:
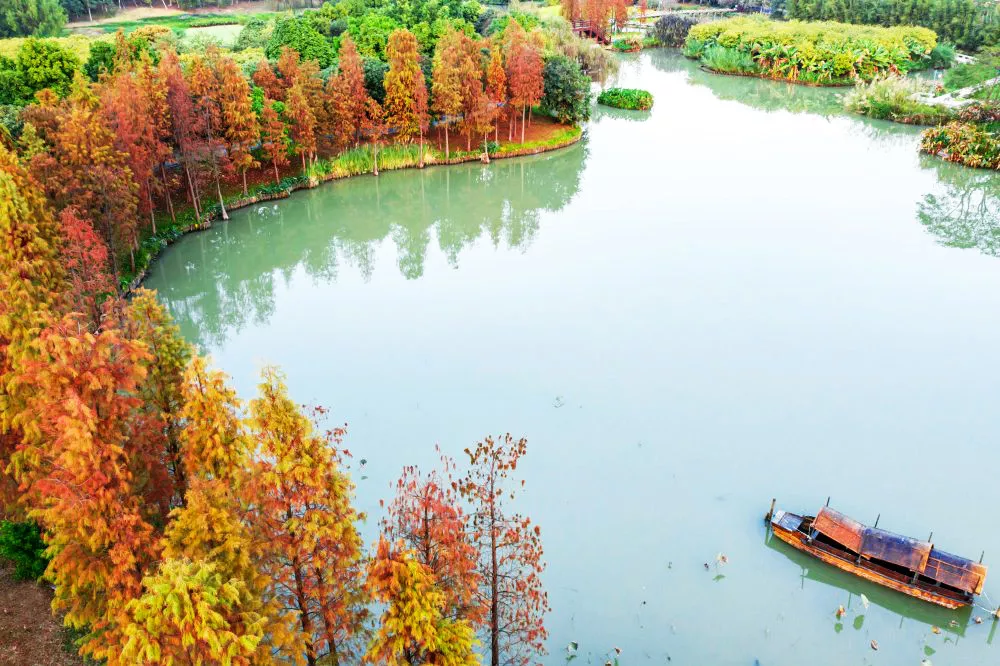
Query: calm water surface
column 743, row 294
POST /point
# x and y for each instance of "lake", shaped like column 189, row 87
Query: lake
column 743, row 294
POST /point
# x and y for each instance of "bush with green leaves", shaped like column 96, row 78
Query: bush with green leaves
column 941, row 56
column 301, row 37
column 626, row 98
column 627, row 44
column 672, row 29
column 974, row 144
column 892, row 98
column 823, row 53
column 567, row 90
column 22, row 544
column 40, row 63
column 255, row 34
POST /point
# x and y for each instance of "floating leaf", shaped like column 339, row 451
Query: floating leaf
column 874, row 644
column 936, row 630
column 864, row 601
column 841, row 612
column 572, row 647
column 978, row 620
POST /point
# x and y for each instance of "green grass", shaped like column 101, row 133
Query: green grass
column 180, row 22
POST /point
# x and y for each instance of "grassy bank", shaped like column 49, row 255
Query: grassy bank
column 892, row 98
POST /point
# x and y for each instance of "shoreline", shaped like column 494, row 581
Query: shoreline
column 313, row 182
column 765, row 77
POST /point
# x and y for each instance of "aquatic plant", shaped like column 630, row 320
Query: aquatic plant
column 892, row 98
column 626, row 98
column 822, row 53
column 973, row 140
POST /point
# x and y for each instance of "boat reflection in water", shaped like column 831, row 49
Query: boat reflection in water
column 951, row 622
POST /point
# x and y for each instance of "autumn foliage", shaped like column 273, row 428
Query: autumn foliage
column 184, row 525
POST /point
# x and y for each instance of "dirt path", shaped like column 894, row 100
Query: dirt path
column 29, row 634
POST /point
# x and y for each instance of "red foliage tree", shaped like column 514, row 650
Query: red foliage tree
column 240, row 126
column 265, row 78
column 496, row 85
column 273, row 138
column 426, row 516
column 510, row 553
column 185, row 122
column 525, row 69
column 302, row 125
column 86, row 260
column 206, row 95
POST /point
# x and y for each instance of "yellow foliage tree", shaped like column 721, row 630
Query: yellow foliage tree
column 304, row 516
column 191, row 614
column 413, row 629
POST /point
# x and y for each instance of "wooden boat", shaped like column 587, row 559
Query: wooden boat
column 900, row 563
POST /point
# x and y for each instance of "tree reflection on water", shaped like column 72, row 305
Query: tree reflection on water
column 965, row 211
column 219, row 281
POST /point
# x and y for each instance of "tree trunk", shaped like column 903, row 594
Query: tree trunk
column 468, row 139
column 510, row 131
column 303, row 154
column 222, row 204
column 486, row 150
column 530, row 109
column 304, row 618
column 245, row 193
column 447, row 153
column 90, row 17
column 494, row 585
column 421, row 158
column 166, row 193
column 522, row 124
column 375, row 158
column 194, row 194
column 277, row 178
column 149, row 201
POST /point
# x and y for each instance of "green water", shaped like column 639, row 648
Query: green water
column 743, row 294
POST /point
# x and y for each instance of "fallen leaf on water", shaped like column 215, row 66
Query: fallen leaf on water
column 864, row 601
column 936, row 630
column 978, row 620
column 721, row 558
column 874, row 644
column 841, row 612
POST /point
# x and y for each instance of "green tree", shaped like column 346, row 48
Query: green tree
column 31, row 18
column 100, row 61
column 371, row 34
column 567, row 90
column 44, row 64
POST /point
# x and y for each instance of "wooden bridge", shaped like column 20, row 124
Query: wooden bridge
column 586, row 28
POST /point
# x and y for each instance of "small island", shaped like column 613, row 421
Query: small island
column 632, row 99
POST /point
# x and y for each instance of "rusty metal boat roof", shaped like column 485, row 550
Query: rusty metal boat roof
column 915, row 555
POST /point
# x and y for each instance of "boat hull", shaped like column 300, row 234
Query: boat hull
column 799, row 541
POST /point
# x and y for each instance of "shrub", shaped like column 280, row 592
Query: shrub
column 22, row 544
column 567, row 90
column 302, row 37
column 941, row 56
column 825, row 53
column 672, row 30
column 255, row 34
column 627, row 44
column 728, row 60
column 891, row 98
column 626, row 98
column 966, row 143
column 375, row 71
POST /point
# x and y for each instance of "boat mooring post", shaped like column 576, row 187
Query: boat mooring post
column 877, row 519
column 981, row 556
column 828, row 500
column 770, row 514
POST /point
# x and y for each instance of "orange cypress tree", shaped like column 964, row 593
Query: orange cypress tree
column 525, row 69
column 289, row 67
column 273, row 138
column 86, row 260
column 496, row 85
column 240, row 125
column 402, row 82
column 510, row 552
column 352, row 100
column 413, row 629
column 305, row 518
column 303, row 125
column 474, row 112
column 185, row 122
column 264, row 77
column 206, row 93
column 446, row 83
column 154, row 88
column 79, row 478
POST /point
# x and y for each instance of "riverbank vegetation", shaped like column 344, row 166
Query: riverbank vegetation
column 626, row 98
column 896, row 98
column 970, row 24
column 825, row 53
column 972, row 140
